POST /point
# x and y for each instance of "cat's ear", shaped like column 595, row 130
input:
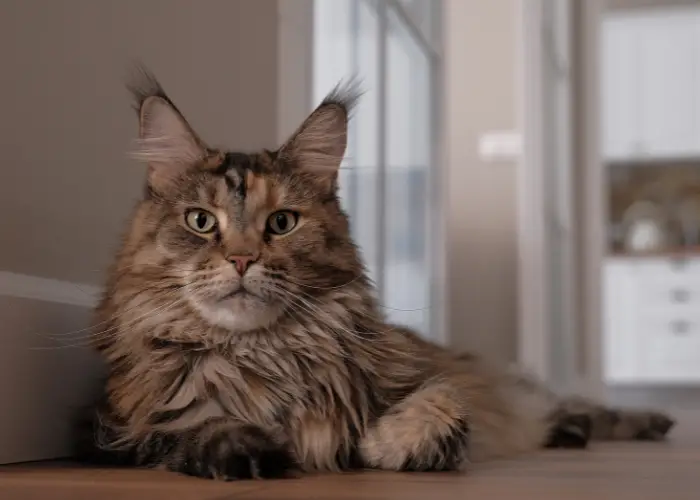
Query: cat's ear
column 166, row 141
column 318, row 145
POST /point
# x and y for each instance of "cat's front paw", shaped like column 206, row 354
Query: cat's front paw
column 570, row 431
column 448, row 451
column 412, row 445
column 230, row 452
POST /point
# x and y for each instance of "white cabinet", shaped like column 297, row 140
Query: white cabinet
column 669, row 85
column 650, row 88
column 620, row 73
column 651, row 320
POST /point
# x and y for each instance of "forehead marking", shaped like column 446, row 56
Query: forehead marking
column 222, row 218
column 221, row 193
column 243, row 180
column 259, row 192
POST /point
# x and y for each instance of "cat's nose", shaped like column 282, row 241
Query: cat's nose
column 242, row 262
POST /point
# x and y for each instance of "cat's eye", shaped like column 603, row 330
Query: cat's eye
column 200, row 221
column 282, row 222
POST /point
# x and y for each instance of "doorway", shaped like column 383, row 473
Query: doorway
column 610, row 188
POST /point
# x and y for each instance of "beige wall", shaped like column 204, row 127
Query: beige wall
column 67, row 183
column 481, row 80
column 67, row 123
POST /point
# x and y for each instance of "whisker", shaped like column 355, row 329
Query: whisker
column 310, row 303
column 176, row 267
column 293, row 282
column 102, row 334
column 336, row 287
column 379, row 304
column 160, row 287
column 92, row 334
column 62, row 346
column 318, row 314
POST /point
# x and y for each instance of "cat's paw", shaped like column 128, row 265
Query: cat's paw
column 448, row 452
column 413, row 445
column 570, row 431
column 652, row 426
column 236, row 452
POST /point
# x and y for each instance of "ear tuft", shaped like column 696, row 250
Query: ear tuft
column 319, row 143
column 166, row 141
column 345, row 95
column 143, row 84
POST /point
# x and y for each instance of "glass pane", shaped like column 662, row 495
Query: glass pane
column 423, row 14
column 346, row 44
column 333, row 61
column 407, row 234
column 364, row 136
column 333, row 44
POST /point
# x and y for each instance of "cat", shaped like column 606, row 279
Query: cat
column 243, row 337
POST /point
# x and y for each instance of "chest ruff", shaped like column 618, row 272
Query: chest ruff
column 313, row 399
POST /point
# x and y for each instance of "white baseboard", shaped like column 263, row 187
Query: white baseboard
column 50, row 290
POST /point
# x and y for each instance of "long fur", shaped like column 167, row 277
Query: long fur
column 292, row 365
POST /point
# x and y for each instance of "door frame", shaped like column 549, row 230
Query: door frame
column 533, row 306
column 593, row 204
column 579, row 212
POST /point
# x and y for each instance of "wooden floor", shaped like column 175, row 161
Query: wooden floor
column 635, row 471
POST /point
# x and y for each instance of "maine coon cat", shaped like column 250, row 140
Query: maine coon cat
column 243, row 336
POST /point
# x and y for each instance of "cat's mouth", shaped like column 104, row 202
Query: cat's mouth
column 238, row 293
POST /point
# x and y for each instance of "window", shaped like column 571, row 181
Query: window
column 388, row 171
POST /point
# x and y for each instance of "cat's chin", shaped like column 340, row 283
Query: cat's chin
column 239, row 312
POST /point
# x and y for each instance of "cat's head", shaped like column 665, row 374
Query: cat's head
column 240, row 237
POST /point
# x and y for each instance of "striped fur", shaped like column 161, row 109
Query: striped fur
column 290, row 366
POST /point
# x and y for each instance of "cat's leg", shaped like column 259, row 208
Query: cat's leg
column 574, row 421
column 219, row 448
column 566, row 427
column 569, row 430
column 225, row 449
column 617, row 424
column 425, row 431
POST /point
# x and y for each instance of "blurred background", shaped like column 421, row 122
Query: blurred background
column 523, row 176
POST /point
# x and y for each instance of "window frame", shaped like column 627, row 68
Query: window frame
column 296, row 50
